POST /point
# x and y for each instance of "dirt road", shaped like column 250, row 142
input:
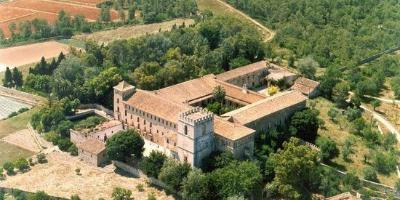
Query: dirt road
column 268, row 33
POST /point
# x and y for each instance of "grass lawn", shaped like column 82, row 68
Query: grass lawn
column 339, row 132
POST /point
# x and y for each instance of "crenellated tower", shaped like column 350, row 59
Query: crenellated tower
column 195, row 135
column 122, row 92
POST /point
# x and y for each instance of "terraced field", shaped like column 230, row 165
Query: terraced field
column 8, row 105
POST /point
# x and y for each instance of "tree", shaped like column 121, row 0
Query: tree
column 370, row 174
column 384, row 163
column 131, row 13
column 375, row 103
column 329, row 183
column 41, row 158
column 296, row 170
column 195, row 186
column 21, row 164
column 121, row 194
column 105, row 15
column 351, row 181
column 388, row 141
column 9, row 167
column 305, row 124
column 152, row 165
column 172, row 173
column 397, row 186
column 40, row 196
column 347, row 149
column 340, row 93
column 219, row 94
column 307, row 67
column 328, row 148
column 8, row 79
column 333, row 114
column 123, row 145
column 17, row 77
column 75, row 197
column 237, row 178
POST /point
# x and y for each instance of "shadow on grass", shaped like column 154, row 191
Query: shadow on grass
column 337, row 166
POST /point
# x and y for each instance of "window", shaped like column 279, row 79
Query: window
column 185, row 130
column 126, row 113
column 117, row 109
column 167, row 141
column 117, row 100
column 137, row 119
column 185, row 159
column 151, row 124
column 204, row 131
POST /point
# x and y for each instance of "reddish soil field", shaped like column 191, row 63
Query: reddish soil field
column 47, row 16
column 21, row 10
column 8, row 13
column 31, row 53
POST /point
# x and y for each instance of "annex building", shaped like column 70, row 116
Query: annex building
column 174, row 119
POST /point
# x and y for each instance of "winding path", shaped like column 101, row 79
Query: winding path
column 392, row 128
column 268, row 33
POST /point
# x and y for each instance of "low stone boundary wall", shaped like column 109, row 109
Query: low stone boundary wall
column 138, row 173
column 97, row 107
column 20, row 96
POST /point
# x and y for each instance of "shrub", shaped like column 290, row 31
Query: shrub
column 41, row 158
column 273, row 90
column 73, row 150
column 13, row 114
column 78, row 171
column 397, row 186
column 9, row 167
column 21, row 164
column 121, row 194
column 151, row 196
column 64, row 144
column 172, row 173
column 352, row 181
column 384, row 163
column 370, row 174
column 140, row 187
column 52, row 137
column 152, row 165
column 75, row 197
column 328, row 149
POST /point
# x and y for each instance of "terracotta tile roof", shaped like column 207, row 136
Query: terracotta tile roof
column 238, row 93
column 260, row 109
column 189, row 90
column 100, row 127
column 276, row 72
column 92, row 146
column 157, row 105
column 229, row 130
column 305, row 85
column 234, row 73
column 123, row 85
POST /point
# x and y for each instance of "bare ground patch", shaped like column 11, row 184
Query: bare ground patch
column 22, row 139
column 135, row 31
column 58, row 178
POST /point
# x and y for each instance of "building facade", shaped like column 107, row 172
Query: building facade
column 171, row 117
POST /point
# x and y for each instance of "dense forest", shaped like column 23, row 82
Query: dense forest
column 338, row 32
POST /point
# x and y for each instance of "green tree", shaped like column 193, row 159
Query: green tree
column 296, row 170
column 17, row 77
column 375, row 103
column 121, row 194
column 21, row 164
column 384, row 163
column 329, row 183
column 351, row 181
column 305, row 124
column 333, row 114
column 124, row 145
column 347, row 149
column 370, row 174
column 397, row 186
column 9, row 167
column 105, row 14
column 41, row 158
column 172, row 173
column 340, row 93
column 237, row 178
column 195, row 186
column 8, row 79
column 75, row 197
column 328, row 148
column 219, row 94
column 152, row 165
column 307, row 67
column 40, row 196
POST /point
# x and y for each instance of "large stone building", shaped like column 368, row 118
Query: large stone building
column 172, row 117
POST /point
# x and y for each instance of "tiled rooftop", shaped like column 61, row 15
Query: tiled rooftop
column 234, row 73
column 92, row 146
column 305, row 85
column 252, row 112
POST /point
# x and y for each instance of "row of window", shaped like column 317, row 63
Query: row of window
column 149, row 116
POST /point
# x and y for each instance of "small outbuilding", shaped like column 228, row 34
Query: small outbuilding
column 306, row 86
column 92, row 151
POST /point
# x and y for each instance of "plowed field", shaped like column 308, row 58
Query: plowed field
column 21, row 10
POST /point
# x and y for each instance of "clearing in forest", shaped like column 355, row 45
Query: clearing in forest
column 134, row 31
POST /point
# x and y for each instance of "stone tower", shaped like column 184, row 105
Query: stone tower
column 195, row 136
column 122, row 92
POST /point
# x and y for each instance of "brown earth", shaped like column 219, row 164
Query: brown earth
column 58, row 178
column 22, row 55
column 21, row 10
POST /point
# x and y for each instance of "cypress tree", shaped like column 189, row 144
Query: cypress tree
column 8, row 80
column 17, row 77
